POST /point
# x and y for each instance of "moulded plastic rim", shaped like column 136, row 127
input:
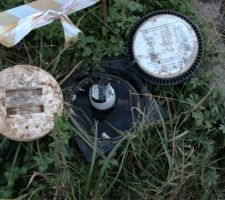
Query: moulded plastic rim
column 166, row 81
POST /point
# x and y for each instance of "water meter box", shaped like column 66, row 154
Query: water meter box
column 105, row 103
column 166, row 47
column 29, row 98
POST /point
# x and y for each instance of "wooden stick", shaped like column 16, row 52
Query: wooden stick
column 105, row 10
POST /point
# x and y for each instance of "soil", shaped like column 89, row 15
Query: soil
column 212, row 14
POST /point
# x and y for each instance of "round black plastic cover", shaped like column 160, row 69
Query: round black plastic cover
column 166, row 47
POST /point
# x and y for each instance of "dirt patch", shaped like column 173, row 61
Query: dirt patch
column 212, row 14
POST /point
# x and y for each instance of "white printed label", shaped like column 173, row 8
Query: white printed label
column 165, row 46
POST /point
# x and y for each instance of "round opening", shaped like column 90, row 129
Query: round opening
column 120, row 117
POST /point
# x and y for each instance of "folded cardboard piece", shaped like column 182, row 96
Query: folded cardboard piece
column 16, row 23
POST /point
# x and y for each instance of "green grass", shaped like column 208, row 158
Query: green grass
column 181, row 158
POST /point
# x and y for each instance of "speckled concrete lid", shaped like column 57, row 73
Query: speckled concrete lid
column 29, row 98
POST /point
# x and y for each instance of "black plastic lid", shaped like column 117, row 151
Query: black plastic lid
column 166, row 47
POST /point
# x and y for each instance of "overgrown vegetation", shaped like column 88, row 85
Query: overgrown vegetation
column 182, row 158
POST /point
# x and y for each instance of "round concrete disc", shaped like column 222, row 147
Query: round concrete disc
column 165, row 46
column 29, row 98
